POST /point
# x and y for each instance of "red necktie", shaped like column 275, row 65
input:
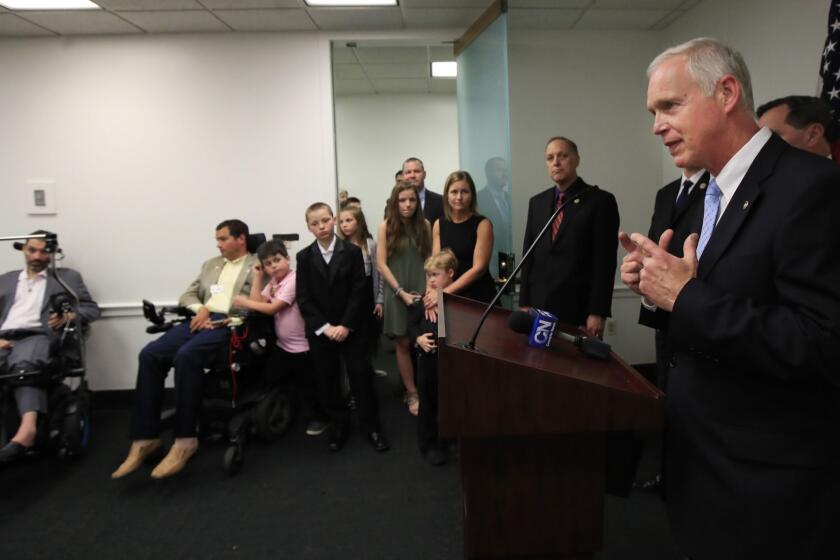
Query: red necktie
column 555, row 225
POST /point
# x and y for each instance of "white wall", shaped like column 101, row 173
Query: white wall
column 152, row 141
column 590, row 87
column 376, row 133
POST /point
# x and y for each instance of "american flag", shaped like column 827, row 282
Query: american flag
column 830, row 70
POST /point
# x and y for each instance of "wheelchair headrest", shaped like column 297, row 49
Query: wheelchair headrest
column 50, row 238
column 285, row 237
column 254, row 240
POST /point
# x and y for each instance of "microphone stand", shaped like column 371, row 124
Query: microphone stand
column 471, row 344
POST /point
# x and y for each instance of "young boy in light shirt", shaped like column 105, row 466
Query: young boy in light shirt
column 277, row 297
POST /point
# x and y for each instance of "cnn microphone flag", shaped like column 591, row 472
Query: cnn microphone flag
column 830, row 71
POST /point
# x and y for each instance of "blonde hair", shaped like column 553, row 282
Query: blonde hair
column 454, row 177
column 443, row 260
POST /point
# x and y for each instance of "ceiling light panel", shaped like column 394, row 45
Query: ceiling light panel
column 349, row 3
column 49, row 5
column 444, row 69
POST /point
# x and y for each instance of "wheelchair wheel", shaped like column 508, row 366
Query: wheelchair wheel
column 273, row 415
column 75, row 429
column 232, row 460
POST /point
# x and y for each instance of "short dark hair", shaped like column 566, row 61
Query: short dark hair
column 235, row 227
column 398, row 174
column 804, row 110
column 351, row 200
column 417, row 159
column 568, row 142
column 270, row 248
column 42, row 240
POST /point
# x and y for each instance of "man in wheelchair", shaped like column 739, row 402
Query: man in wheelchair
column 29, row 331
column 188, row 347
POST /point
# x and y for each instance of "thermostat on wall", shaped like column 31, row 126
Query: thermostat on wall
column 40, row 197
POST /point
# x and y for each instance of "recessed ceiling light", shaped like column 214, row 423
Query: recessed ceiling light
column 49, row 5
column 349, row 3
column 444, row 69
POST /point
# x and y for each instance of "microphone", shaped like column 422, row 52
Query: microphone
column 471, row 344
column 541, row 328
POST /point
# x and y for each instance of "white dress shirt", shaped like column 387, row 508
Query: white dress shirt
column 25, row 312
column 736, row 168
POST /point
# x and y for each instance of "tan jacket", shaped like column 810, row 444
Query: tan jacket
column 198, row 292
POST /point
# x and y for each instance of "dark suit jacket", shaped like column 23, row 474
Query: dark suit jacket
column 752, row 455
column 87, row 309
column 433, row 209
column 573, row 276
column 335, row 293
column 684, row 222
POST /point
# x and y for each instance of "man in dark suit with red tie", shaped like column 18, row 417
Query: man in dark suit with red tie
column 571, row 271
column 752, row 452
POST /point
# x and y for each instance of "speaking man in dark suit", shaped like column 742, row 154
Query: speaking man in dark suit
column 752, row 452
column 414, row 173
column 570, row 273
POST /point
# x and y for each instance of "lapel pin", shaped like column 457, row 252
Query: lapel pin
column 746, row 205
column 577, row 200
column 702, row 186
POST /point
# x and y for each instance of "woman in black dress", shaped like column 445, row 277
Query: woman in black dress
column 469, row 235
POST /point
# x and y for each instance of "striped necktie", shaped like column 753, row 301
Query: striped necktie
column 555, row 225
column 711, row 208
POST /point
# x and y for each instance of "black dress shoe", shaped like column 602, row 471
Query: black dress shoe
column 650, row 485
column 337, row 438
column 378, row 441
column 436, row 455
column 11, row 452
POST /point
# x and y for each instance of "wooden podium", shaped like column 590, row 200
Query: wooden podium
column 531, row 424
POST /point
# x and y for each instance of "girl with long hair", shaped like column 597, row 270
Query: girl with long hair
column 404, row 242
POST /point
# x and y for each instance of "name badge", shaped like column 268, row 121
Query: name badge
column 216, row 289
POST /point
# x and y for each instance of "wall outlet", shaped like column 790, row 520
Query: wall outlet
column 610, row 328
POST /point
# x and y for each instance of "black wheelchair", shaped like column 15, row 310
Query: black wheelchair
column 240, row 399
column 65, row 429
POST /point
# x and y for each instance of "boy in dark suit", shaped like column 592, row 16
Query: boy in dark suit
column 331, row 292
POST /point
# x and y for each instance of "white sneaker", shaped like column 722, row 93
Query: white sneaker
column 316, row 427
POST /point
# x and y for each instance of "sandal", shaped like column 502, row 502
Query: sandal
column 413, row 402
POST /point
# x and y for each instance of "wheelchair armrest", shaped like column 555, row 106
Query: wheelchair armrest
column 34, row 377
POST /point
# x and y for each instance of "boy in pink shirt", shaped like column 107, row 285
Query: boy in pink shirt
column 278, row 298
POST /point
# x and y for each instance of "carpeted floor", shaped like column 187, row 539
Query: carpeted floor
column 293, row 499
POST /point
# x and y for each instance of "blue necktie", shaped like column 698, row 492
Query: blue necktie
column 711, row 208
